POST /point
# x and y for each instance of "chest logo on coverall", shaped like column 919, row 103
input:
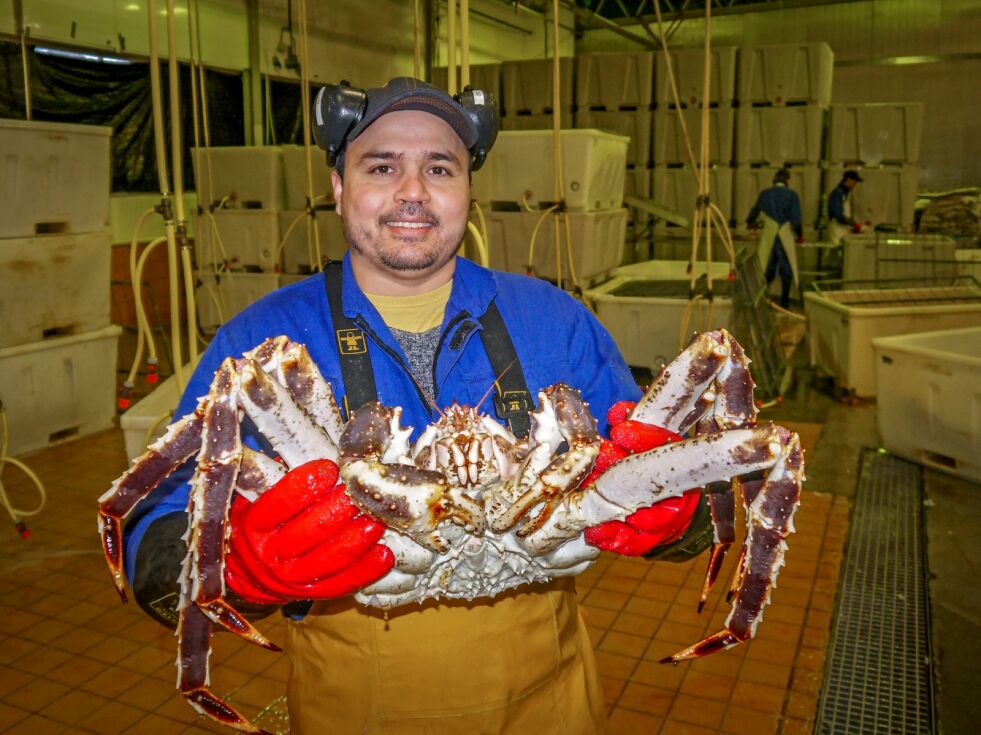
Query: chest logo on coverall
column 351, row 342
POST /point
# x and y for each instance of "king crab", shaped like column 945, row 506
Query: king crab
column 471, row 510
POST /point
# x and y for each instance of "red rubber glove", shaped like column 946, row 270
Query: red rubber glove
column 857, row 228
column 303, row 539
column 661, row 523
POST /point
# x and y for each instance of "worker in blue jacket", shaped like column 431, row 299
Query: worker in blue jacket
column 780, row 208
column 840, row 219
column 425, row 320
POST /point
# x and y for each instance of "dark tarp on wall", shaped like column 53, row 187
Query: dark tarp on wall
column 71, row 90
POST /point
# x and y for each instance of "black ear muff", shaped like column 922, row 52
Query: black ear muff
column 337, row 109
column 481, row 108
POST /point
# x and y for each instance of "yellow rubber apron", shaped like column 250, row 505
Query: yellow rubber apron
column 520, row 663
column 768, row 233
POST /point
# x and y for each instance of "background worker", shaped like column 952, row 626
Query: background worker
column 433, row 328
column 840, row 220
column 779, row 206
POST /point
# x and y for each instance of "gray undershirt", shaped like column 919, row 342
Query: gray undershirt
column 420, row 350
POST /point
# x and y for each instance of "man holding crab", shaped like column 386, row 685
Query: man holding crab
column 405, row 321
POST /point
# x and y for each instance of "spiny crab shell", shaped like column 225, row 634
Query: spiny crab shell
column 452, row 500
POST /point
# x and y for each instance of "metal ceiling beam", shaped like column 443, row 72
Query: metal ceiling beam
column 597, row 21
column 725, row 7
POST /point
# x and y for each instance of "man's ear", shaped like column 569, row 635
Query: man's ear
column 338, row 185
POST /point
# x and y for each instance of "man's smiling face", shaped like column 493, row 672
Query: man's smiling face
column 404, row 197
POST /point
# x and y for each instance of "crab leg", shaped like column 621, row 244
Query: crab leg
column 202, row 579
column 292, row 432
column 770, row 520
column 642, row 479
column 193, row 651
column 709, row 386
column 181, row 440
column 211, row 489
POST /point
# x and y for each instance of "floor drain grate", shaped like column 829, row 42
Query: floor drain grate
column 878, row 677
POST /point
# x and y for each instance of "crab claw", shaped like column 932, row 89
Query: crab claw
column 220, row 612
column 714, row 643
column 204, row 701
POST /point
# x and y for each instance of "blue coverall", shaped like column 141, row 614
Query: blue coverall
column 556, row 338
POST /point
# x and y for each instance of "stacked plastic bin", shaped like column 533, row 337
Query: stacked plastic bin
column 57, row 345
column 615, row 92
column 882, row 142
column 242, row 192
column 515, row 189
column 485, row 77
column 784, row 92
column 673, row 182
column 526, row 94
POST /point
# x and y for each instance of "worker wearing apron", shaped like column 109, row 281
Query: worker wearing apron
column 779, row 207
column 429, row 328
column 840, row 220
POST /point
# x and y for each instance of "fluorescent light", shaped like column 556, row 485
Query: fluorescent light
column 81, row 55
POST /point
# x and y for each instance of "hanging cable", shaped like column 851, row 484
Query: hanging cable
column 313, row 232
column 451, row 47
column 417, row 31
column 479, row 244
column 464, row 43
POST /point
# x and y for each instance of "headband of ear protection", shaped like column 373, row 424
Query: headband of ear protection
column 339, row 109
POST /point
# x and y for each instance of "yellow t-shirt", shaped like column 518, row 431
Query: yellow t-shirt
column 417, row 313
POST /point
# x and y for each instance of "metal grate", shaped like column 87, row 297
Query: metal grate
column 878, row 677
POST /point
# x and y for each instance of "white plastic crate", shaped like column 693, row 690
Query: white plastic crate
column 636, row 125
column 875, row 134
column 297, row 256
column 597, row 243
column 842, row 325
column 485, row 77
column 535, row 122
column 969, row 262
column 748, row 182
column 637, row 181
column 777, row 136
column 220, row 296
column 250, row 177
column 883, row 255
column 522, row 161
column 295, row 171
column 669, row 142
column 59, row 389
column 615, row 80
column 886, row 196
column 149, row 417
column 929, row 393
column 526, row 86
column 53, row 285
column 676, row 189
column 650, row 329
column 55, row 178
column 929, row 397
column 249, row 238
column 689, row 69
column 785, row 73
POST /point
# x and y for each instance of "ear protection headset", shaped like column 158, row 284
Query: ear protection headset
column 339, row 108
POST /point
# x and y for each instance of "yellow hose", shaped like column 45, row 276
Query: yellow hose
column 17, row 514
column 479, row 244
column 464, row 43
column 137, row 278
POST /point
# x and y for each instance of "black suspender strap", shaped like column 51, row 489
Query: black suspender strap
column 352, row 346
column 512, row 401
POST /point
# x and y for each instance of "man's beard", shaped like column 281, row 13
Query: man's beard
column 411, row 256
